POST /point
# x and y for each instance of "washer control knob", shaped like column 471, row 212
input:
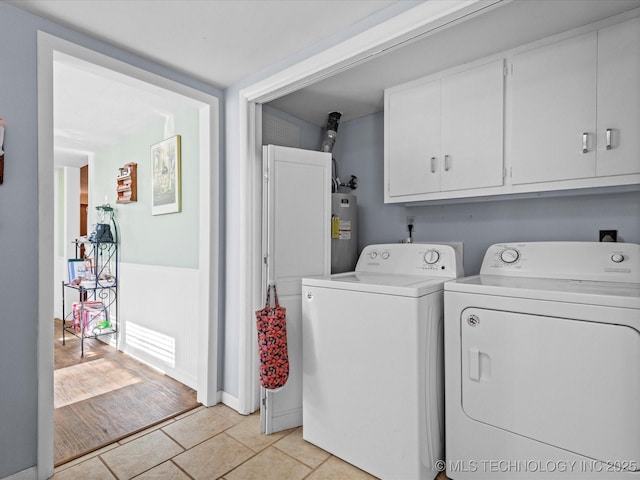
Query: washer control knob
column 385, row 255
column 617, row 257
column 431, row 257
column 373, row 254
column 510, row 255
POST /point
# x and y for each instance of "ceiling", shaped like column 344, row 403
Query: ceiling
column 222, row 42
column 360, row 91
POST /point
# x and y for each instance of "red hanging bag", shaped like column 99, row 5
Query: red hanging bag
column 272, row 343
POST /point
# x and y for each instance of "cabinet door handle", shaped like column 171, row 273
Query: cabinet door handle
column 609, row 139
column 447, row 162
column 433, row 164
column 585, row 146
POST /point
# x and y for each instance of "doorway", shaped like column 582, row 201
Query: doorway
column 205, row 322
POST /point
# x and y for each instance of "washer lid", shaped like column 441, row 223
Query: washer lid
column 400, row 285
column 612, row 294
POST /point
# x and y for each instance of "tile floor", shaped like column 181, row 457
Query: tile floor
column 211, row 443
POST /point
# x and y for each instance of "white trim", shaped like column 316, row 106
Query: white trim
column 229, row 400
column 423, row 19
column 415, row 23
column 209, row 244
column 45, row 260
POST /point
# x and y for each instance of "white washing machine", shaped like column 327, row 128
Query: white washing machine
column 373, row 360
column 542, row 363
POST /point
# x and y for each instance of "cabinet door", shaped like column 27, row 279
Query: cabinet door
column 619, row 99
column 554, row 106
column 472, row 128
column 414, row 140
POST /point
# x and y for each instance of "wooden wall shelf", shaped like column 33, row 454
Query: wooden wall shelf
column 127, row 184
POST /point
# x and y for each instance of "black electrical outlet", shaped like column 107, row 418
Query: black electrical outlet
column 608, row 235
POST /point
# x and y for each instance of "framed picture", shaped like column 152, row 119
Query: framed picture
column 77, row 269
column 165, row 176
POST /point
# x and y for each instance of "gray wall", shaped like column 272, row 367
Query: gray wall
column 19, row 223
column 359, row 151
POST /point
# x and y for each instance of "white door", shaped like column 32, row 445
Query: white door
column 619, row 99
column 568, row 383
column 472, row 128
column 414, row 140
column 554, row 112
column 297, row 244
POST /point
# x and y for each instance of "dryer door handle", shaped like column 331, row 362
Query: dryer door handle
column 474, row 364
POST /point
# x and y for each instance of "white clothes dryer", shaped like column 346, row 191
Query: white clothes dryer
column 542, row 363
column 373, row 359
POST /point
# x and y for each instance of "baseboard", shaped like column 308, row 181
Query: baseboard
column 28, row 474
column 176, row 374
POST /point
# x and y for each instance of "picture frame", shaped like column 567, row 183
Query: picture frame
column 77, row 268
column 165, row 176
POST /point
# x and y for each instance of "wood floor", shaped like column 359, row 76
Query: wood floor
column 106, row 396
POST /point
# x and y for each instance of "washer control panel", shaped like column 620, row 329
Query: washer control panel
column 597, row 261
column 411, row 259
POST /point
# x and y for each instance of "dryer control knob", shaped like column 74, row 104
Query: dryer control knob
column 431, row 257
column 617, row 257
column 385, row 255
column 510, row 255
column 373, row 255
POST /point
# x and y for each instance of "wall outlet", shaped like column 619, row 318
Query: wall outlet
column 608, row 235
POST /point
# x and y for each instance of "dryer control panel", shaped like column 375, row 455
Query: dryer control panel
column 433, row 260
column 595, row 261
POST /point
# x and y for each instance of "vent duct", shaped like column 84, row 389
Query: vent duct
column 332, row 132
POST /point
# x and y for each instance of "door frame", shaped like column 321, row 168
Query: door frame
column 207, row 323
column 418, row 22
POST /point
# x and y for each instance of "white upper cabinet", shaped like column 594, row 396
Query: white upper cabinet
column 560, row 114
column 576, row 107
column 413, row 139
column 472, row 128
column 445, row 134
column 618, row 136
column 554, row 112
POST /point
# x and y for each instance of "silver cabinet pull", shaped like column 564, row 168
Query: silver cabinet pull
column 433, row 164
column 585, row 137
column 447, row 162
column 609, row 139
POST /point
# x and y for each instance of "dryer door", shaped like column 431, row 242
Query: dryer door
column 571, row 384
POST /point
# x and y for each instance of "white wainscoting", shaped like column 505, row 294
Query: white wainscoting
column 158, row 318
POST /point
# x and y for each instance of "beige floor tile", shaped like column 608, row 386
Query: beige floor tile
column 86, row 457
column 196, row 428
column 336, row 468
column 142, row 454
column 248, row 433
column 190, row 412
column 228, row 413
column 294, row 445
column 145, row 431
column 213, row 458
column 92, row 469
column 270, row 464
column 164, row 471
